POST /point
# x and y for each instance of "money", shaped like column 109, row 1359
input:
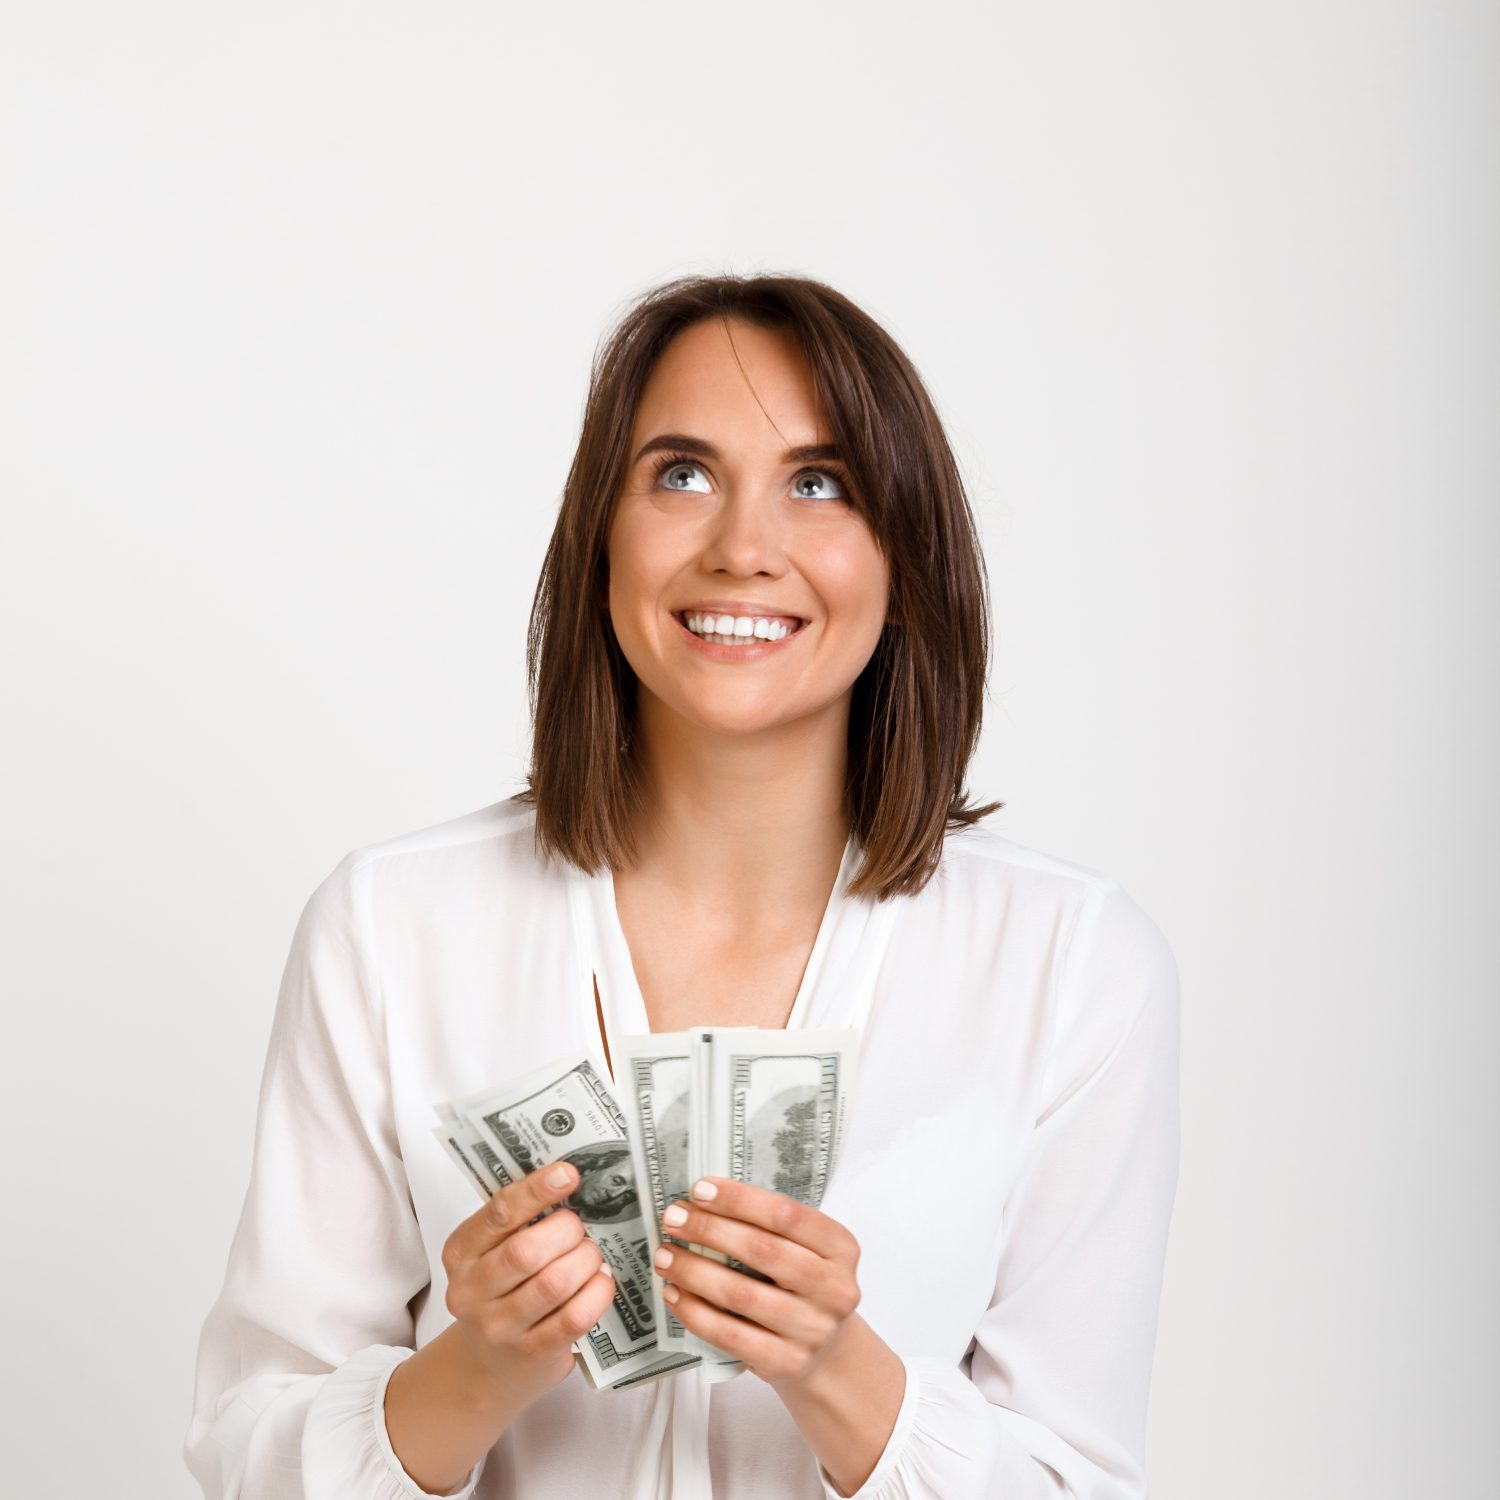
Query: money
column 758, row 1105
column 566, row 1111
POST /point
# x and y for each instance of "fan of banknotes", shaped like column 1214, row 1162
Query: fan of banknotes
column 755, row 1104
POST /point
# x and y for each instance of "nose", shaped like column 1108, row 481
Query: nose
column 745, row 537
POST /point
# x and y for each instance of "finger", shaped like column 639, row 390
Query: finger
column 554, row 1284
column 787, row 1263
column 519, row 1256
column 514, row 1205
column 779, row 1212
column 773, row 1308
column 767, row 1354
column 577, row 1315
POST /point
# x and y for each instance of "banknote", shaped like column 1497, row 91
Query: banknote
column 759, row 1105
column 566, row 1111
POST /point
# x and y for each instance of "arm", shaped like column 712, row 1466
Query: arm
column 1051, row 1399
column 314, row 1314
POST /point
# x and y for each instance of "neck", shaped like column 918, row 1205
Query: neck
column 752, row 825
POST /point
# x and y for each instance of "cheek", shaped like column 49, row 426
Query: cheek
column 855, row 582
column 643, row 555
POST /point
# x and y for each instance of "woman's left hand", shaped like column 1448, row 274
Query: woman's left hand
column 782, row 1333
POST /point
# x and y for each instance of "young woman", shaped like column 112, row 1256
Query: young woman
column 757, row 658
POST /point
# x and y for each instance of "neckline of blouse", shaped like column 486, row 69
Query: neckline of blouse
column 837, row 984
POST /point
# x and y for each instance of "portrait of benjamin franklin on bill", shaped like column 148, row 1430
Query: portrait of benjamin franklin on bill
column 606, row 1191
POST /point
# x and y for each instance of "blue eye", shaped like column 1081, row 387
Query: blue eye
column 823, row 474
column 671, row 464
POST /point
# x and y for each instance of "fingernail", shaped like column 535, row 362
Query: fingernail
column 675, row 1215
column 662, row 1258
column 669, row 1292
column 705, row 1190
column 560, row 1176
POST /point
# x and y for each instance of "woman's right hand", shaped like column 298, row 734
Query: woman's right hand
column 521, row 1292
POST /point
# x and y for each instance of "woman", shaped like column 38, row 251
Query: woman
column 757, row 657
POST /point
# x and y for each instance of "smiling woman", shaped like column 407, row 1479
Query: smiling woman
column 757, row 658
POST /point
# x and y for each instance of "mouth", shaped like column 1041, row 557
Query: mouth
column 768, row 633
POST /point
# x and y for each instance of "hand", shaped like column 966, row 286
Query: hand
column 783, row 1332
column 522, row 1292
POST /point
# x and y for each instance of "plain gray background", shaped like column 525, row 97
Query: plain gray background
column 298, row 305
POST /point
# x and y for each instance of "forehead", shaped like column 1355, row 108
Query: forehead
column 731, row 380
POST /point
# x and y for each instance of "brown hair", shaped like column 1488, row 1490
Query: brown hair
column 916, row 708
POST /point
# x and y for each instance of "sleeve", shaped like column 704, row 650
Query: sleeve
column 1050, row 1399
column 314, row 1314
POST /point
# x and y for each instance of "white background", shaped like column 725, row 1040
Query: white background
column 298, row 305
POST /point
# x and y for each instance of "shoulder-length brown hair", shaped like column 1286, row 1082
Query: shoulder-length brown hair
column 916, row 708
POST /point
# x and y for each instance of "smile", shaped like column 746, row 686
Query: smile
column 764, row 638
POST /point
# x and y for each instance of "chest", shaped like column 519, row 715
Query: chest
column 692, row 978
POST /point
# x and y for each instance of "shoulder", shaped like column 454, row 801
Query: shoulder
column 1095, row 914
column 441, row 868
column 1112, row 968
column 501, row 828
column 492, row 847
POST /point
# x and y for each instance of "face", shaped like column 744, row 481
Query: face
column 730, row 525
column 605, row 1187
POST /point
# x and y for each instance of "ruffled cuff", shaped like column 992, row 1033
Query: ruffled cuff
column 942, row 1443
column 346, row 1450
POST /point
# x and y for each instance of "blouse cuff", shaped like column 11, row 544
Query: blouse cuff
column 346, row 1449
column 941, row 1443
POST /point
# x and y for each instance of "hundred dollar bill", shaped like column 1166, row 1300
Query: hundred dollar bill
column 761, row 1105
column 655, row 1078
column 473, row 1153
column 566, row 1111
column 779, row 1103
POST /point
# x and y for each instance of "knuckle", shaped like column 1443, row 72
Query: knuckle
column 521, row 1255
column 839, row 1293
column 786, row 1215
column 449, row 1257
column 578, row 1320
column 552, row 1283
column 744, row 1295
column 762, row 1251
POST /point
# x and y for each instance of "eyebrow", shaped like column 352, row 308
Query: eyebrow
column 671, row 441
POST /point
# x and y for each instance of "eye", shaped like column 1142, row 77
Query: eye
column 823, row 475
column 672, row 467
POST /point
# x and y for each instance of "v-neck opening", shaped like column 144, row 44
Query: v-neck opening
column 607, row 908
column 838, row 982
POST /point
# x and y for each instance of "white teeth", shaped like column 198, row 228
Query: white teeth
column 735, row 630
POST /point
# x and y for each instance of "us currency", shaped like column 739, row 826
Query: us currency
column 754, row 1104
column 566, row 1111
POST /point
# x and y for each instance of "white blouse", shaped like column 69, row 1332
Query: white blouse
column 1009, row 1168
